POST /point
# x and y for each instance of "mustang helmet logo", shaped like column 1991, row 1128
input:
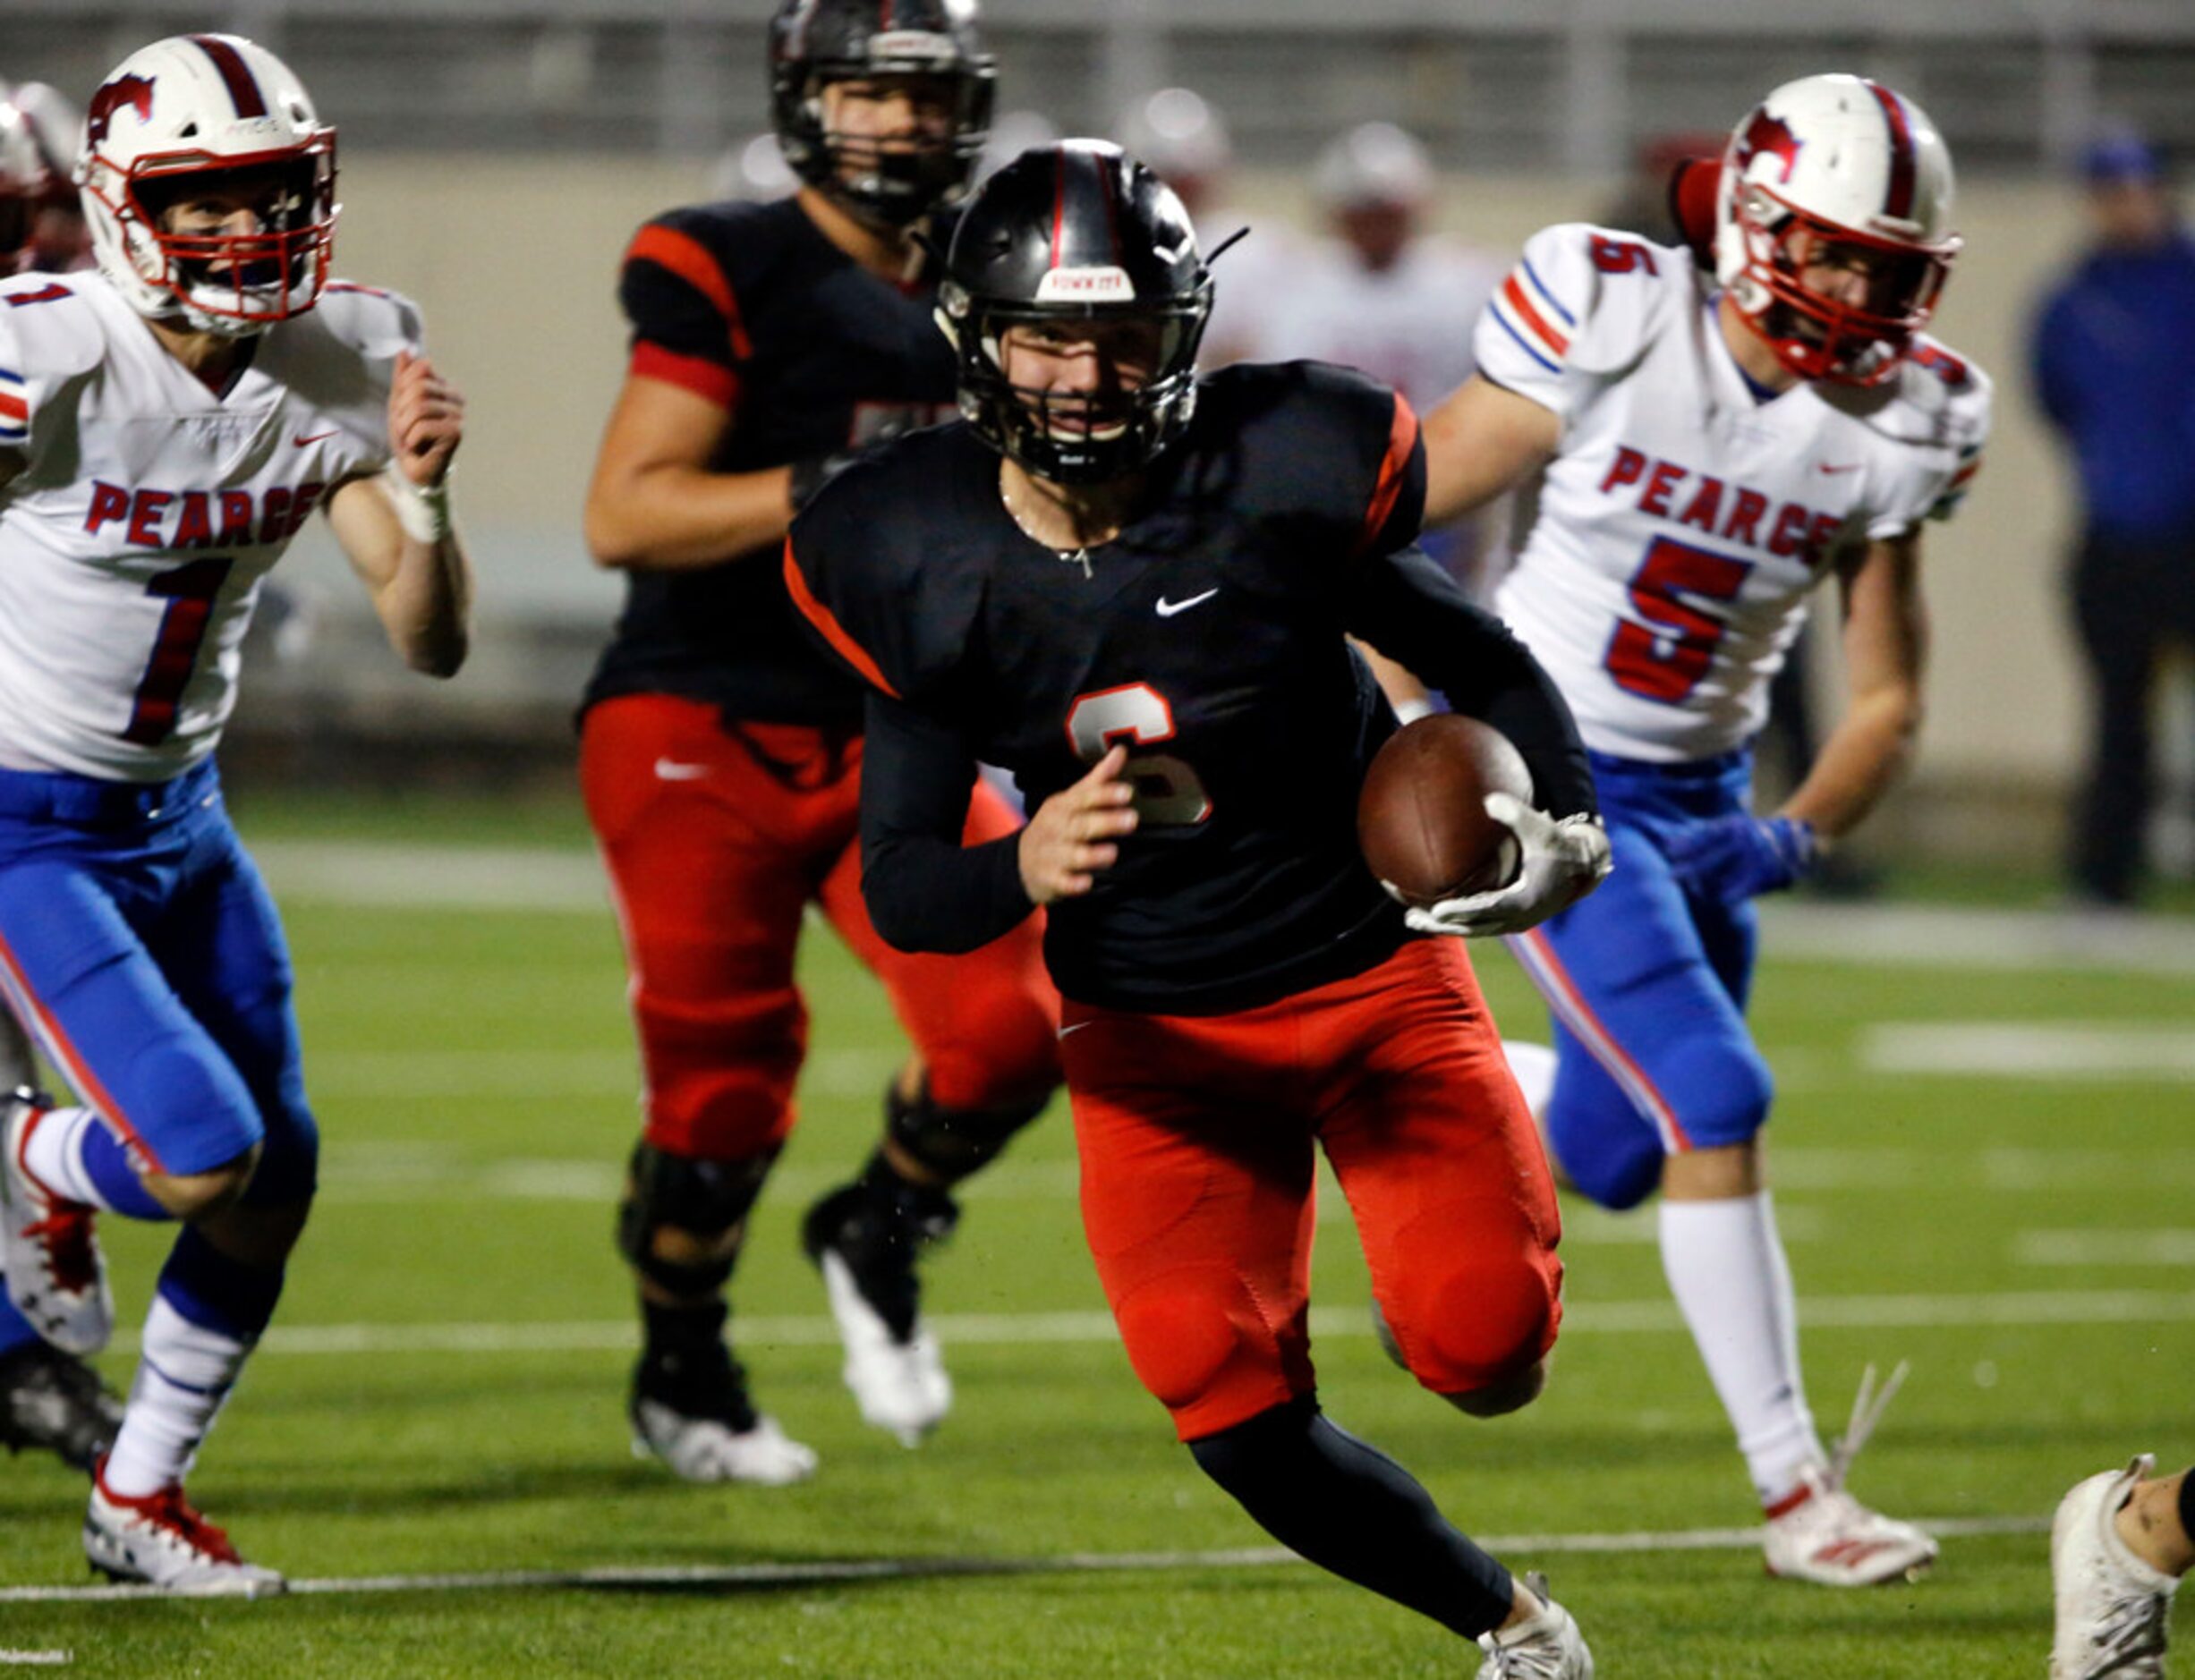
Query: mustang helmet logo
column 130, row 90
column 1769, row 134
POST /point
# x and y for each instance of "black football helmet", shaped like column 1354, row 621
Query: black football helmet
column 813, row 43
column 1075, row 231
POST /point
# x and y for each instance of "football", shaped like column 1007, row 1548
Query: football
column 1421, row 815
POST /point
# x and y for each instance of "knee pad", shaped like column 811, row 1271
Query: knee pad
column 954, row 1143
column 189, row 1110
column 1478, row 1321
column 1199, row 1344
column 705, row 1198
column 1617, row 1166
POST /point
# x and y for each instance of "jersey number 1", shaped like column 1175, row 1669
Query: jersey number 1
column 189, row 592
column 1167, row 790
column 1666, row 663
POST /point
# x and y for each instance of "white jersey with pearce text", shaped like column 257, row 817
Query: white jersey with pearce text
column 133, row 541
column 1665, row 565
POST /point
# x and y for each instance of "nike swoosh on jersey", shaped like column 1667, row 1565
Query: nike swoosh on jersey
column 303, row 442
column 1074, row 1026
column 1850, row 466
column 671, row 770
column 1167, row 608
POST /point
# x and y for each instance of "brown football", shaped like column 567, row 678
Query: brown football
column 1421, row 817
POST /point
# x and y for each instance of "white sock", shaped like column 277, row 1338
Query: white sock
column 183, row 1376
column 55, row 1154
column 1726, row 1266
column 1533, row 1067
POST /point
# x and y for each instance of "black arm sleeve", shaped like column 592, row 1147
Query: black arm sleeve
column 926, row 891
column 1413, row 613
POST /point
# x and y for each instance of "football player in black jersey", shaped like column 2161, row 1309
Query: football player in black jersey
column 1131, row 587
column 721, row 751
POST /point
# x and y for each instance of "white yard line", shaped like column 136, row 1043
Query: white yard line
column 2127, row 1052
column 997, row 1329
column 2144, row 1249
column 737, row 1577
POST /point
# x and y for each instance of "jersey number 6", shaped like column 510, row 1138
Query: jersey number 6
column 1666, row 662
column 1167, row 791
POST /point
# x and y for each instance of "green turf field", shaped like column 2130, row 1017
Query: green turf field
column 443, row 1395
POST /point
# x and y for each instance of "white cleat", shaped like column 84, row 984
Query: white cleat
column 707, row 1449
column 2113, row 1609
column 161, row 1542
column 1543, row 1647
column 56, row 1275
column 1820, row 1534
column 900, row 1387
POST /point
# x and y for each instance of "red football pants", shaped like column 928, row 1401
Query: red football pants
column 716, row 838
column 1197, row 1139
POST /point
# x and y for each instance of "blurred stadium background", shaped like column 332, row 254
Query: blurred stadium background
column 497, row 153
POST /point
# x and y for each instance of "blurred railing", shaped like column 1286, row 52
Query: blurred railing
column 1503, row 84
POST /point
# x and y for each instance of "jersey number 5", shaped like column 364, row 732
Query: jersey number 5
column 1167, row 791
column 189, row 592
column 1666, row 663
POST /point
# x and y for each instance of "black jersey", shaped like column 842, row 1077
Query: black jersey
column 751, row 307
column 1208, row 636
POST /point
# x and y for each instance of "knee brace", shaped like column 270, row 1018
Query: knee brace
column 705, row 1198
column 954, row 1143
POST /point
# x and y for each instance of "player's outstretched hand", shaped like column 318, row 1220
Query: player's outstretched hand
column 425, row 420
column 1075, row 832
column 1731, row 859
column 1563, row 858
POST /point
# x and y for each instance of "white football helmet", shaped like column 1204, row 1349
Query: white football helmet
column 169, row 116
column 1842, row 163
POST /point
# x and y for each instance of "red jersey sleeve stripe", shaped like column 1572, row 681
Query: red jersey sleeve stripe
column 685, row 256
column 1518, row 300
column 829, row 627
column 13, row 407
column 711, row 380
column 1402, row 438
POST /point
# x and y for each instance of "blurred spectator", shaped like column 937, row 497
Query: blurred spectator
column 1382, row 295
column 2114, row 358
column 1012, row 133
column 1180, row 138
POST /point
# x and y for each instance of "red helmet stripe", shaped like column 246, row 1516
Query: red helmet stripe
column 1059, row 203
column 1898, row 200
column 243, row 91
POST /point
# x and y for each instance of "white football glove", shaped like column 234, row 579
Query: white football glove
column 1563, row 861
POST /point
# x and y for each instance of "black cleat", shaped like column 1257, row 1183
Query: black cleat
column 54, row 1402
column 864, row 1238
column 692, row 1410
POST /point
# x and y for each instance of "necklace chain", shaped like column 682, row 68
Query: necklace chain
column 1079, row 556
